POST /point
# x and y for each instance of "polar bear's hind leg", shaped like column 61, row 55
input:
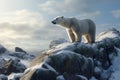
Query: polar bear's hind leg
column 87, row 38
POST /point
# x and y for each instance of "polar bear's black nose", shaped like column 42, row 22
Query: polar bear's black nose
column 53, row 22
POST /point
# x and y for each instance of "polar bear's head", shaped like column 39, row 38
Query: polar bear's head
column 59, row 20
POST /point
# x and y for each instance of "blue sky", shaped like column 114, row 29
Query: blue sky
column 27, row 23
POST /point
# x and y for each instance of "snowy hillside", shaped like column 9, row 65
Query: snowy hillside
column 66, row 61
column 13, row 63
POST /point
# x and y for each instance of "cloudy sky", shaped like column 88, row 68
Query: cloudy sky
column 27, row 23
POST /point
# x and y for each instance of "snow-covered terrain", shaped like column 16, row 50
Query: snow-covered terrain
column 66, row 61
column 13, row 64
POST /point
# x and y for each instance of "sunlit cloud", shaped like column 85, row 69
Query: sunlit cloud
column 22, row 16
column 64, row 6
column 90, row 15
column 76, row 8
column 27, row 28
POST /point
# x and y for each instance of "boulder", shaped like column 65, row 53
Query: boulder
column 76, row 61
column 60, row 63
column 3, row 77
column 12, row 66
column 111, row 33
column 39, row 73
column 71, row 63
column 2, row 49
column 74, row 77
column 17, row 77
column 18, row 49
column 22, row 55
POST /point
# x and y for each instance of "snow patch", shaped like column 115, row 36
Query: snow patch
column 112, row 33
column 116, row 67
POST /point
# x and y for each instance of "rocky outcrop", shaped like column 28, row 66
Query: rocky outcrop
column 3, row 77
column 2, row 49
column 18, row 49
column 12, row 66
column 22, row 55
column 13, row 63
column 76, row 61
column 112, row 33
column 65, row 61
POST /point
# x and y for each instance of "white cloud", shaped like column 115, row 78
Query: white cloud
column 22, row 16
column 116, row 13
column 91, row 15
column 79, row 8
column 27, row 29
column 66, row 6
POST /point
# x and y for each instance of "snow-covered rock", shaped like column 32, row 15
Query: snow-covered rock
column 2, row 49
column 18, row 49
column 13, row 62
column 112, row 33
column 77, row 61
column 14, row 76
column 57, row 42
column 61, row 77
column 37, row 72
column 116, row 67
column 12, row 66
column 67, row 61
column 3, row 77
column 22, row 55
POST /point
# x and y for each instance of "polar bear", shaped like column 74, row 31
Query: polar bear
column 78, row 28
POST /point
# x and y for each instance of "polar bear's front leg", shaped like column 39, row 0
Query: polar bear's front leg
column 77, row 33
column 71, row 35
column 78, row 36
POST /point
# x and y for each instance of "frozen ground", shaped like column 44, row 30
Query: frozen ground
column 22, row 59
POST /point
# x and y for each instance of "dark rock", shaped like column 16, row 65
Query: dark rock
column 17, row 77
column 97, row 72
column 22, row 55
column 74, row 77
column 39, row 74
column 2, row 61
column 12, row 66
column 17, row 49
column 2, row 49
column 3, row 77
column 63, row 62
column 44, row 74
column 87, row 50
column 71, row 63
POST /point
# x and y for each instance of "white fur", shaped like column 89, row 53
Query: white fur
column 76, row 28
